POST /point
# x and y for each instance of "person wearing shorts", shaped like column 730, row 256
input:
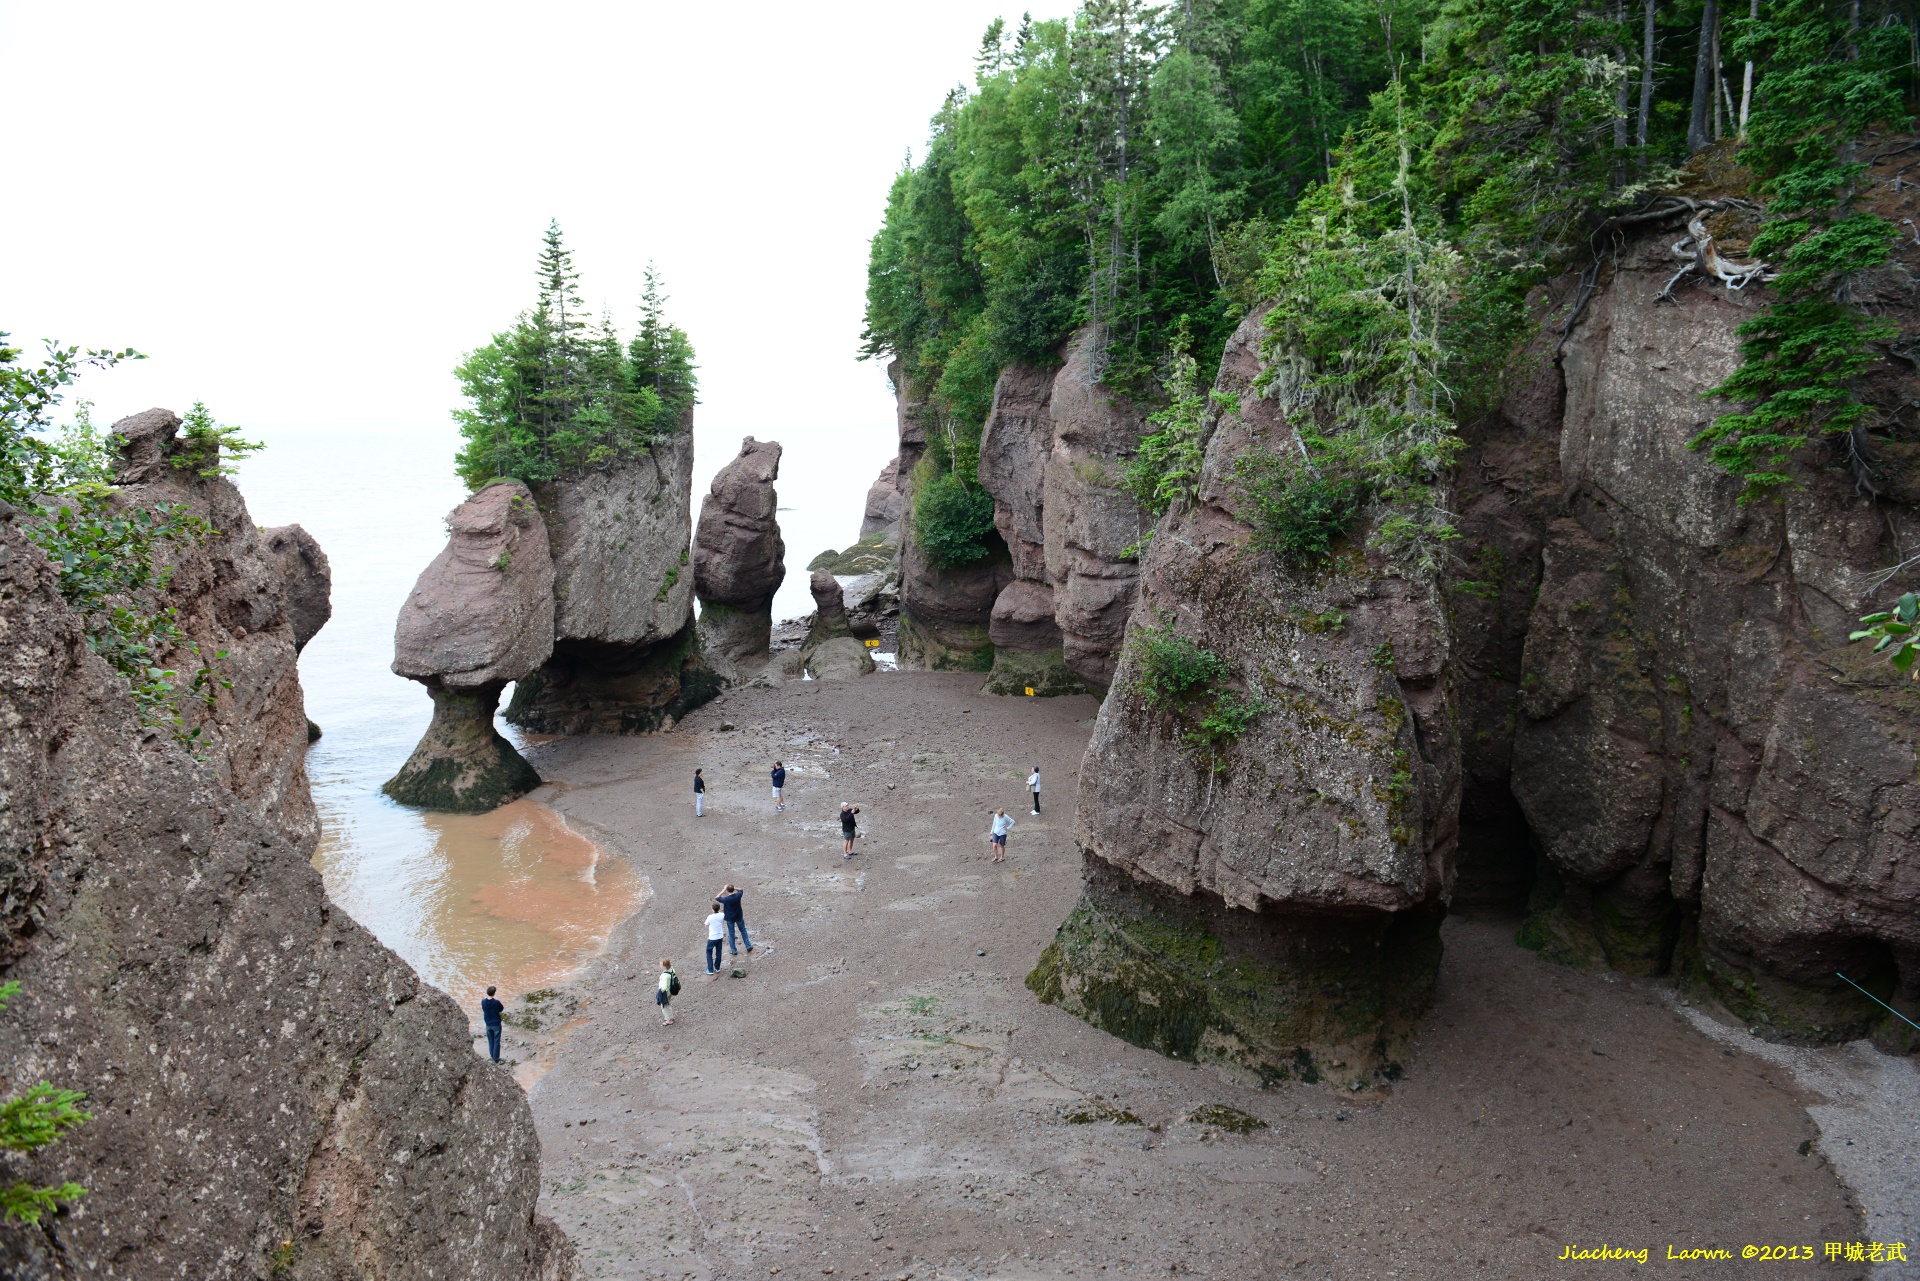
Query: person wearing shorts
column 663, row 992
column 997, row 837
column 779, row 784
column 848, row 810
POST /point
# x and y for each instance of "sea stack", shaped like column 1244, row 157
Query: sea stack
column 739, row 560
column 831, row 651
column 481, row 615
column 625, row 659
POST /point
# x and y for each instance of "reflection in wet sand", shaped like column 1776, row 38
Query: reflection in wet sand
column 514, row 898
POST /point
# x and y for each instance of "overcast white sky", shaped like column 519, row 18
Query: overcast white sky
column 304, row 213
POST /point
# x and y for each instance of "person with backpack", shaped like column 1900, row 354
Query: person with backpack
column 729, row 901
column 779, row 783
column 716, row 934
column 668, row 989
column 997, row 836
column 699, row 795
column 1033, row 786
column 490, row 1011
column 848, row 810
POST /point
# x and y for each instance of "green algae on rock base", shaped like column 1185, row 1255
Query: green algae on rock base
column 1274, row 995
column 943, row 647
column 1018, row 671
column 462, row 765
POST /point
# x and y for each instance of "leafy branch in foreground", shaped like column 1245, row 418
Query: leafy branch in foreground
column 29, row 1121
column 1895, row 633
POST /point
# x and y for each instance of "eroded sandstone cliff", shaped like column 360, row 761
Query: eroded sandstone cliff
column 273, row 1092
column 1630, row 703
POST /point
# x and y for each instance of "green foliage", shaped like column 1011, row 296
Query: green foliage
column 29, row 463
column 1171, row 668
column 108, row 557
column 33, row 1119
column 1166, row 468
column 1895, row 633
column 108, row 554
column 951, row 519
column 1827, row 74
column 208, row 449
column 1297, row 513
column 1175, row 675
column 557, row 394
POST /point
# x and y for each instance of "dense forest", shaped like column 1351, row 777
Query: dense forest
column 1392, row 177
column 558, row 393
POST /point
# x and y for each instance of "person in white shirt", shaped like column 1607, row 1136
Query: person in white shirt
column 997, row 838
column 1033, row 785
column 716, row 935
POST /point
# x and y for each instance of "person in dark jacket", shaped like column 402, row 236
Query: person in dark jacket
column 729, row 900
column 848, row 812
column 699, row 794
column 779, row 784
column 490, row 1011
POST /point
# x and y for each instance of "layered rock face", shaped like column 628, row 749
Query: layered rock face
column 273, row 1092
column 1270, row 901
column 1015, row 448
column 625, row 657
column 229, row 592
column 739, row 560
column 1631, row 703
column 1712, row 777
column 480, row 616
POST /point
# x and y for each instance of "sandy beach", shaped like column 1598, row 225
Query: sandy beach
column 873, row 1092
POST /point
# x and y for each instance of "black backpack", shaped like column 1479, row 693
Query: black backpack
column 673, row 983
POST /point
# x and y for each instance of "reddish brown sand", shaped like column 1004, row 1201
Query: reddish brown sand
column 880, row 1095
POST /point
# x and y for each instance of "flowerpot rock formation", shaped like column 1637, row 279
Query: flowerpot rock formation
column 1628, row 702
column 739, row 560
column 480, row 615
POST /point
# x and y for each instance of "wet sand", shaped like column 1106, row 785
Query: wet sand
column 516, row 898
column 878, row 1094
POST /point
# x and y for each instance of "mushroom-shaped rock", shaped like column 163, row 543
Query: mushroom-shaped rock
column 480, row 615
column 739, row 560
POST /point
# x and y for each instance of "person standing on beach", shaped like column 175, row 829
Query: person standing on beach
column 729, row 901
column 490, row 1011
column 779, row 783
column 997, row 837
column 1033, row 785
column 699, row 794
column 663, row 994
column 716, row 934
column 847, row 829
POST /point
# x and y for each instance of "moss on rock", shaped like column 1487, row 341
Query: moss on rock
column 1017, row 671
column 589, row 688
column 462, row 765
column 944, row 647
column 1275, row 996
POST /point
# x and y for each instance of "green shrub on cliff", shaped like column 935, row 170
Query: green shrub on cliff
column 557, row 394
column 952, row 520
column 1175, row 675
column 108, row 554
column 31, row 1120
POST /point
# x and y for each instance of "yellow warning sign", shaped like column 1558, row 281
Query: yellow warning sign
column 874, row 643
column 1029, row 691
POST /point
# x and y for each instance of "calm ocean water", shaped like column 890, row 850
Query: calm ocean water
column 514, row 897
